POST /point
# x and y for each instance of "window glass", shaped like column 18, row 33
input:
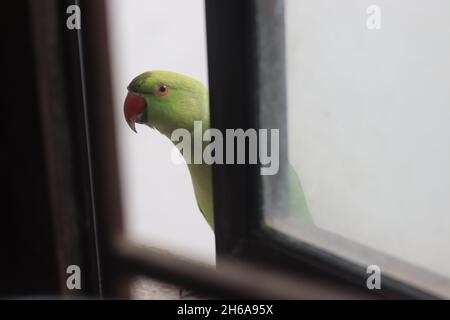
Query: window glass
column 368, row 125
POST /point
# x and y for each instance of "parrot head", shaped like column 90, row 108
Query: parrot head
column 166, row 101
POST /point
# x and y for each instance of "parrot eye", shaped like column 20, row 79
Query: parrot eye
column 162, row 90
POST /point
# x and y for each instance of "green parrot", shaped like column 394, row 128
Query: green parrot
column 166, row 101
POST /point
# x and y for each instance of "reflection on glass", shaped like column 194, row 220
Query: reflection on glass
column 368, row 125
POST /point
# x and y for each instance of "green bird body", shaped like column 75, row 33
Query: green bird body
column 167, row 101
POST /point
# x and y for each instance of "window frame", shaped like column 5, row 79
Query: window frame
column 242, row 241
column 241, row 230
column 58, row 87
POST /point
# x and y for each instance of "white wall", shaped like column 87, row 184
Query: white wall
column 369, row 115
column 158, row 197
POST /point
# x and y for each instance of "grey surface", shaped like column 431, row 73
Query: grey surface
column 369, row 115
column 149, row 289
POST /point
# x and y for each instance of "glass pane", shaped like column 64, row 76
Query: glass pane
column 368, row 91
column 160, row 207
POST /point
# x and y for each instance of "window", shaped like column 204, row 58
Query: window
column 270, row 65
column 365, row 118
column 249, row 53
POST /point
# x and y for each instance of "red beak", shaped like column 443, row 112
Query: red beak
column 134, row 109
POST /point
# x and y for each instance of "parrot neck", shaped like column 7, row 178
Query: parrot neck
column 201, row 175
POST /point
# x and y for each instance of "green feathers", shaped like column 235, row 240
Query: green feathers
column 174, row 101
column 167, row 101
